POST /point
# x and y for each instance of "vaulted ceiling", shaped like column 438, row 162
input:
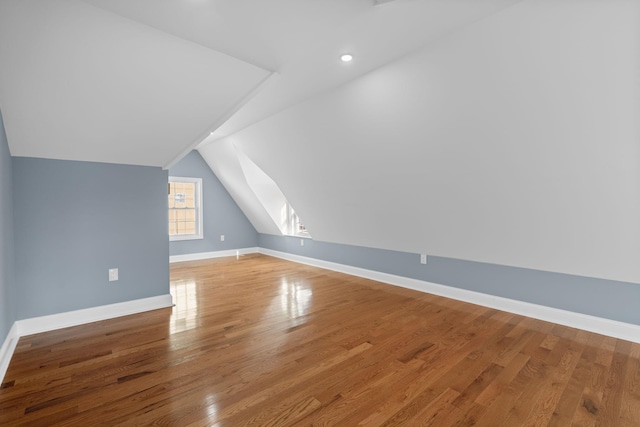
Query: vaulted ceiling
column 144, row 81
column 500, row 131
column 512, row 141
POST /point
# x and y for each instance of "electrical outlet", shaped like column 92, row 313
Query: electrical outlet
column 113, row 274
column 423, row 258
column 301, row 242
column 222, row 237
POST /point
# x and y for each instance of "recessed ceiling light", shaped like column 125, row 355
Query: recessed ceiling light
column 346, row 57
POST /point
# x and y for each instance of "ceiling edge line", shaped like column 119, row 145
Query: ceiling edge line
column 199, row 141
column 166, row 33
column 417, row 50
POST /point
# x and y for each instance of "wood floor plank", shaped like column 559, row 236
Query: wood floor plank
column 256, row 340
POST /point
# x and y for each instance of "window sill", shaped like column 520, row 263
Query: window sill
column 185, row 237
column 302, row 236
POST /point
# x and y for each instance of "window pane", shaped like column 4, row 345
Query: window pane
column 190, row 227
column 191, row 215
column 172, row 228
column 180, row 215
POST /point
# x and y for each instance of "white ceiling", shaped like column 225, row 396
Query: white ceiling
column 143, row 81
column 463, row 128
column 512, row 141
column 79, row 83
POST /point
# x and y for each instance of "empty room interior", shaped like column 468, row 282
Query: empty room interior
column 320, row 212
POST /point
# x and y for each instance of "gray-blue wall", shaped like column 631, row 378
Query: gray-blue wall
column 602, row 298
column 74, row 221
column 7, row 296
column 221, row 213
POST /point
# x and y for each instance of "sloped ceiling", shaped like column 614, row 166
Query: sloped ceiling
column 500, row 131
column 143, row 81
column 80, row 83
column 513, row 141
column 226, row 161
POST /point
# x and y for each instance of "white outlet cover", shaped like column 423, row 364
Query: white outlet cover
column 423, row 258
column 301, row 242
column 222, row 237
column 113, row 274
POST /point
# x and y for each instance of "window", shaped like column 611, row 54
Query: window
column 293, row 225
column 185, row 208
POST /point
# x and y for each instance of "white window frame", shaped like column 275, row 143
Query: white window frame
column 199, row 210
column 292, row 221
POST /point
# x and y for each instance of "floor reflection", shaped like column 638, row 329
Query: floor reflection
column 185, row 311
column 295, row 298
column 210, row 407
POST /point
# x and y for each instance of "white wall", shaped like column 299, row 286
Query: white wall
column 225, row 161
column 514, row 141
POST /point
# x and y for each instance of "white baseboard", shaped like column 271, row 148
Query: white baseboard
column 612, row 328
column 208, row 255
column 586, row 322
column 6, row 351
column 36, row 325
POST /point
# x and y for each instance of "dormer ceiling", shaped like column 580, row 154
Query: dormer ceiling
column 144, row 81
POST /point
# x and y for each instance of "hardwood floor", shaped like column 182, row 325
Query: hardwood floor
column 262, row 341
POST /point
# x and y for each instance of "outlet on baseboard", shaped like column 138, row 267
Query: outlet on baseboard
column 113, row 274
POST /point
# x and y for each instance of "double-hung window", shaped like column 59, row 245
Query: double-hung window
column 185, row 208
